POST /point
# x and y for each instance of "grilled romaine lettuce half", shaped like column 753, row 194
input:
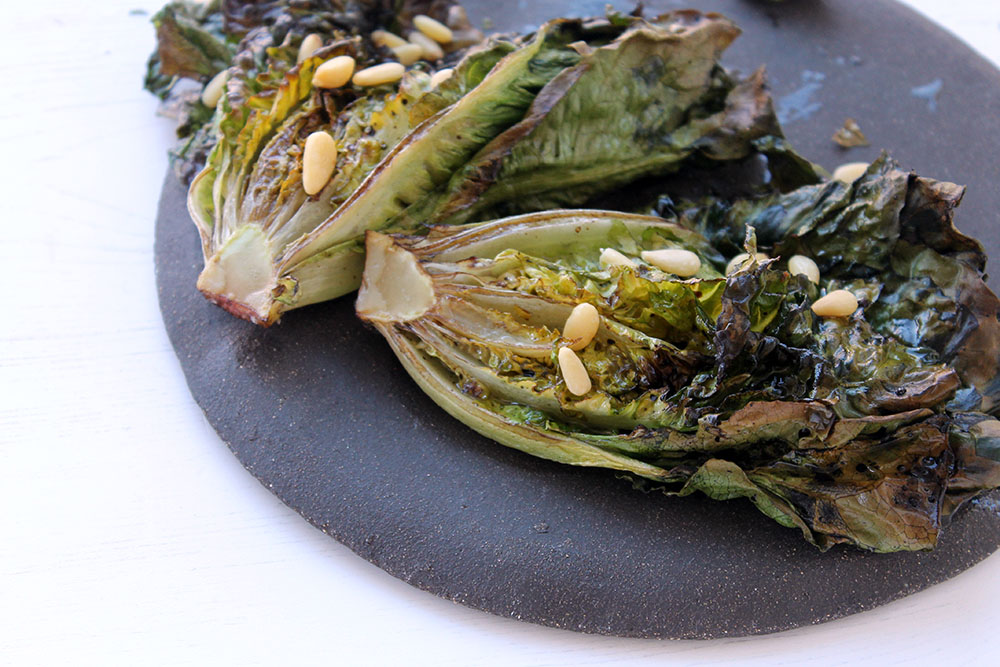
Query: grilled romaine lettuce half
column 553, row 119
column 861, row 429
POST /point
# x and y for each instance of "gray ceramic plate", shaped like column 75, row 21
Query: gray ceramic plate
column 318, row 409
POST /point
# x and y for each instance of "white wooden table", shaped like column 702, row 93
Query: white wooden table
column 128, row 532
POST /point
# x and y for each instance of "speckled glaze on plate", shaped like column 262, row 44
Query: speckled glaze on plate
column 318, row 409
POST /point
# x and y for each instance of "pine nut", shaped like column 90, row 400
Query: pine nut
column 436, row 30
column 441, row 76
column 677, row 261
column 430, row 48
column 581, row 326
column 611, row 257
column 387, row 39
column 379, row 74
column 850, row 172
column 408, row 53
column 457, row 17
column 838, row 303
column 737, row 262
column 309, row 46
column 318, row 161
column 573, row 372
column 213, row 90
column 334, row 73
column 802, row 265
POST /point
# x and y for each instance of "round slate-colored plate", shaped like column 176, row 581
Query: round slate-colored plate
column 320, row 411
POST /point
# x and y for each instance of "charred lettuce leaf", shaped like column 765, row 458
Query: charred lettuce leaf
column 890, row 236
column 615, row 116
column 519, row 126
column 190, row 43
column 727, row 385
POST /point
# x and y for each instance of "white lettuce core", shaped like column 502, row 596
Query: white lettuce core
column 242, row 271
column 394, row 287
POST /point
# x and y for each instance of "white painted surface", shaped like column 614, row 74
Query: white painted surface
column 130, row 535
